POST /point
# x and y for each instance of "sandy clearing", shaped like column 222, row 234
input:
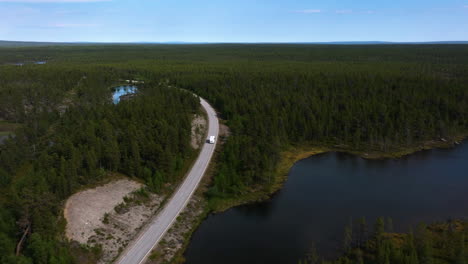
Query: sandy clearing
column 198, row 131
column 85, row 210
column 110, row 216
column 121, row 227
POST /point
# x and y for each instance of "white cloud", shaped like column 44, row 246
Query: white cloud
column 347, row 11
column 53, row 1
column 309, row 11
column 60, row 25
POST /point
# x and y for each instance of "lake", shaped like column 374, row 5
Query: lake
column 121, row 91
column 320, row 196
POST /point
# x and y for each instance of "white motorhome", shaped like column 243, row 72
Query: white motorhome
column 211, row 139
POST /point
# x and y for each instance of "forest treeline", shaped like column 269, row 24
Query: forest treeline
column 381, row 98
column 440, row 243
column 372, row 99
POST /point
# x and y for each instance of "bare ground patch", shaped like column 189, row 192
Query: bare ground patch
column 198, row 131
column 224, row 131
column 109, row 216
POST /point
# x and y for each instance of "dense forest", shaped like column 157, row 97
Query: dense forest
column 72, row 136
column 380, row 98
column 441, row 243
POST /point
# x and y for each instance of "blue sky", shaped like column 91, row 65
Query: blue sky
column 234, row 20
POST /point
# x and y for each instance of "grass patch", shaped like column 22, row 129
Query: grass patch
column 401, row 151
column 288, row 159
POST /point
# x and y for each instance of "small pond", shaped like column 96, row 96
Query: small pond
column 29, row 62
column 121, row 91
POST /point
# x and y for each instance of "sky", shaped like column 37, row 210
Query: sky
column 233, row 20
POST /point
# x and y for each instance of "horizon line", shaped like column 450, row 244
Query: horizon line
column 237, row 42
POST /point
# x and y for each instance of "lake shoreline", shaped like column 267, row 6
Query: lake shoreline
column 295, row 154
column 288, row 159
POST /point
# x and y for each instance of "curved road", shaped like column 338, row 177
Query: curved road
column 138, row 251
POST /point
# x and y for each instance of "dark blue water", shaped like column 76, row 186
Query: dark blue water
column 321, row 195
column 122, row 90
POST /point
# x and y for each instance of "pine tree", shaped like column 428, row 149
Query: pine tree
column 461, row 257
column 363, row 231
column 424, row 245
column 348, row 237
column 389, row 225
column 379, row 229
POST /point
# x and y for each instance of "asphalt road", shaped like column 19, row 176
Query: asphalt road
column 138, row 251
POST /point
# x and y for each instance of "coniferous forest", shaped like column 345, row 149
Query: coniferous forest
column 440, row 243
column 375, row 98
